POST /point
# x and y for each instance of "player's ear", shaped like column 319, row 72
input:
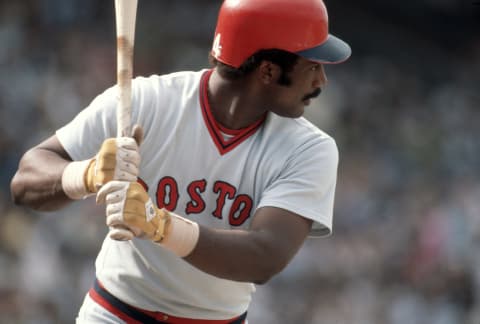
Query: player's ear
column 268, row 72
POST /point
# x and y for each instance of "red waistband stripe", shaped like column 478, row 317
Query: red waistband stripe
column 134, row 315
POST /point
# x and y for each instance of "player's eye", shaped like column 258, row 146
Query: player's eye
column 315, row 67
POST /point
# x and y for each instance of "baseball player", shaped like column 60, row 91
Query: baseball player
column 220, row 184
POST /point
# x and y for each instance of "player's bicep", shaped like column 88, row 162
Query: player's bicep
column 37, row 182
column 53, row 145
column 283, row 232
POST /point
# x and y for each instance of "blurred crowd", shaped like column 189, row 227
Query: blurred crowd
column 407, row 210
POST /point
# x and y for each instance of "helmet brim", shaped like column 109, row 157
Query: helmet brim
column 333, row 51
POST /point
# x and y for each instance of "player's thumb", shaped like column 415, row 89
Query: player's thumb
column 137, row 134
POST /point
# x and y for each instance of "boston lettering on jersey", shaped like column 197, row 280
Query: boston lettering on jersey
column 167, row 196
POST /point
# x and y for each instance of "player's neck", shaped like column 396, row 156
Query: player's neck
column 232, row 102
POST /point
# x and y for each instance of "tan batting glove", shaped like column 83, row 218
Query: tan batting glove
column 131, row 213
column 117, row 159
column 129, row 206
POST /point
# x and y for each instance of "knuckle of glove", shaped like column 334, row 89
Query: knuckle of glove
column 114, row 208
column 123, row 175
column 128, row 157
column 114, row 220
column 121, row 234
column 127, row 143
column 127, row 165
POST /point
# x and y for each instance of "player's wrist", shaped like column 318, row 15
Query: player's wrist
column 73, row 179
column 181, row 235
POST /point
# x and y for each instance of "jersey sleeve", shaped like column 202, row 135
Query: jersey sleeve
column 306, row 185
column 83, row 136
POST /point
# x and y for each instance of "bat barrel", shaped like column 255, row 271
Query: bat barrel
column 125, row 12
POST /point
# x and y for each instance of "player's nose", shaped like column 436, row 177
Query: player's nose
column 320, row 79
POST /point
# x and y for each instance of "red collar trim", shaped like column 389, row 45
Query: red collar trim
column 215, row 129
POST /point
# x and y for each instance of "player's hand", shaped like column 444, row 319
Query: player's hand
column 131, row 212
column 117, row 159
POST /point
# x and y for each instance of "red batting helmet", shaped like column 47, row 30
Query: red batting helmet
column 298, row 26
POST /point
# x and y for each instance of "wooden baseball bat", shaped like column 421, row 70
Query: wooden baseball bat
column 125, row 13
column 125, row 16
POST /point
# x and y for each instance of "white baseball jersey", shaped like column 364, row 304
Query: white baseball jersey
column 215, row 176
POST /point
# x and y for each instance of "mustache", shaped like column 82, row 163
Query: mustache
column 314, row 94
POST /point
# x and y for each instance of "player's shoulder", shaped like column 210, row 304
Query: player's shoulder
column 169, row 87
column 174, row 79
column 299, row 130
column 299, row 137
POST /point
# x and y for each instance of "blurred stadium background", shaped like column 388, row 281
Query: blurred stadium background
column 405, row 111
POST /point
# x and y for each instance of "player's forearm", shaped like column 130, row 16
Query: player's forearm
column 37, row 183
column 237, row 255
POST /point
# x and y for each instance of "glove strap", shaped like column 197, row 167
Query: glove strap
column 182, row 235
column 73, row 179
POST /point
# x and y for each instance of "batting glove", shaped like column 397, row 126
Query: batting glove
column 129, row 208
column 118, row 159
column 128, row 205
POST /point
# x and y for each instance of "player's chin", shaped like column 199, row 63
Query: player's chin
column 297, row 112
column 300, row 109
column 294, row 113
column 291, row 112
